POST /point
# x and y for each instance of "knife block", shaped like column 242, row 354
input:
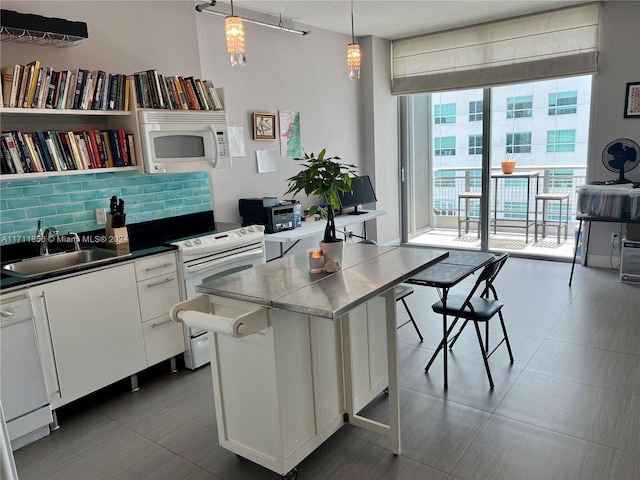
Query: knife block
column 117, row 238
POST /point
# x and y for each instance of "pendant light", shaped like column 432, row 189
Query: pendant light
column 235, row 39
column 353, row 53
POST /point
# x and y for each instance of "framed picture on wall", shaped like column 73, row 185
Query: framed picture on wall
column 632, row 100
column 264, row 126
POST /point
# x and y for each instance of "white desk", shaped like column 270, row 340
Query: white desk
column 311, row 228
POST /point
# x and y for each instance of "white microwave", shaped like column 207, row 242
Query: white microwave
column 184, row 141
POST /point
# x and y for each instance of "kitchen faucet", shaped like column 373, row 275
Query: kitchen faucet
column 76, row 240
column 43, row 238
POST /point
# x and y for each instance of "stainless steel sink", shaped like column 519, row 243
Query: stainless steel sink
column 58, row 262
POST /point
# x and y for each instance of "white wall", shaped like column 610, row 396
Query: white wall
column 284, row 71
column 618, row 64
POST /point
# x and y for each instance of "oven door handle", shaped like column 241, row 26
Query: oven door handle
column 222, row 261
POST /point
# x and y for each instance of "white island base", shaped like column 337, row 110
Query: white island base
column 281, row 392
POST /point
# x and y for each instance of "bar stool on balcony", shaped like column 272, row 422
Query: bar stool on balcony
column 467, row 197
column 545, row 222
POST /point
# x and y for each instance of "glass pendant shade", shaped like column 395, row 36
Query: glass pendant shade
column 235, row 40
column 353, row 60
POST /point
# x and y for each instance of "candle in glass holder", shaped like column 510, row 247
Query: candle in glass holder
column 316, row 260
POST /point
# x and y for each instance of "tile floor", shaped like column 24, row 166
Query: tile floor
column 568, row 408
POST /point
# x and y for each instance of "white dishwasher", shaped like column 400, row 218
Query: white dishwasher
column 22, row 387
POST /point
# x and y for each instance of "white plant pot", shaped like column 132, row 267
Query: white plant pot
column 332, row 252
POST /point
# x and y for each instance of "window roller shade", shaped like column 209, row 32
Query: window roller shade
column 551, row 44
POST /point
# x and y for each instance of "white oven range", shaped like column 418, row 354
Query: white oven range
column 211, row 256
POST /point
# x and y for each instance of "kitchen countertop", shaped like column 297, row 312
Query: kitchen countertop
column 145, row 238
column 9, row 282
column 286, row 283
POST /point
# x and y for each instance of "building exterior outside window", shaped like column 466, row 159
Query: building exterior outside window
column 563, row 103
column 520, row 107
column 445, row 146
column 445, row 113
column 519, row 142
column 561, row 141
column 475, row 144
column 475, row 111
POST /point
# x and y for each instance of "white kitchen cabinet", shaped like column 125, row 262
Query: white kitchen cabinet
column 279, row 393
column 89, row 331
column 158, row 290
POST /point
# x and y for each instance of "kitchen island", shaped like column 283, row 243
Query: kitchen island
column 316, row 349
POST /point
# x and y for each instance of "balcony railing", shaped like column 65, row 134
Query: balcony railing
column 512, row 202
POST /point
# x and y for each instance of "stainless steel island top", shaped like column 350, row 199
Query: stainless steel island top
column 286, row 283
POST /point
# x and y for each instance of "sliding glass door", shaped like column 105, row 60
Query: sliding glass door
column 452, row 162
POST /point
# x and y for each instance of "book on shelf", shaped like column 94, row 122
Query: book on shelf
column 31, row 82
column 102, row 152
column 10, row 84
column 131, row 149
column 77, row 89
column 7, row 161
column 107, row 148
column 71, row 88
column 192, row 87
column 92, row 145
column 97, row 91
column 56, row 156
column 54, row 83
column 35, row 156
column 164, row 94
column 24, row 77
column 203, row 95
column 85, row 158
column 25, row 157
column 61, row 141
column 69, row 142
column 12, row 149
column 40, row 79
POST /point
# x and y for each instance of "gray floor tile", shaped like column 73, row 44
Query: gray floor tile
column 507, row 449
column 93, row 446
column 591, row 366
column 586, row 412
column 434, row 432
column 600, row 324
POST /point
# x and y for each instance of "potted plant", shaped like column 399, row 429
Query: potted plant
column 508, row 164
column 324, row 176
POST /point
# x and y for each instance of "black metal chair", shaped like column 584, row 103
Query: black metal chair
column 477, row 309
column 401, row 292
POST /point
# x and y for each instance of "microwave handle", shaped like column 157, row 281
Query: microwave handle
column 216, row 157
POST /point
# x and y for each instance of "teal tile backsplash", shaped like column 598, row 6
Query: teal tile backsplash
column 68, row 201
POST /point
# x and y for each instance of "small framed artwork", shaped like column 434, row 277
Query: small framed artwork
column 632, row 100
column 264, row 126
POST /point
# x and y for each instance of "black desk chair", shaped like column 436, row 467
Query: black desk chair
column 477, row 309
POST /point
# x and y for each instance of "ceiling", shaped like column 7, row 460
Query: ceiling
column 392, row 19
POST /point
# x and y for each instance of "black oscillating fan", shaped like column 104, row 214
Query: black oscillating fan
column 620, row 156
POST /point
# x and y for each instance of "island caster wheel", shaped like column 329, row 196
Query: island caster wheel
column 292, row 475
column 241, row 458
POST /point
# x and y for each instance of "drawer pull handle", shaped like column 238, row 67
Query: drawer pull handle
column 164, row 265
column 53, row 352
column 161, row 282
column 154, row 325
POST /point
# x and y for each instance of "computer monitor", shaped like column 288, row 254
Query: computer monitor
column 361, row 194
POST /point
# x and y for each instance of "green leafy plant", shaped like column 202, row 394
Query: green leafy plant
column 325, row 177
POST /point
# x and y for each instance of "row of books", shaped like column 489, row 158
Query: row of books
column 175, row 92
column 36, row 86
column 54, row 151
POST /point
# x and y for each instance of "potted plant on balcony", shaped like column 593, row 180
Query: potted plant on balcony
column 508, row 164
column 324, row 176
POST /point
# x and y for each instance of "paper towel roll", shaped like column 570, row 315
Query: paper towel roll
column 212, row 323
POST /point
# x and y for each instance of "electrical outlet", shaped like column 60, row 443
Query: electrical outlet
column 101, row 216
column 615, row 237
